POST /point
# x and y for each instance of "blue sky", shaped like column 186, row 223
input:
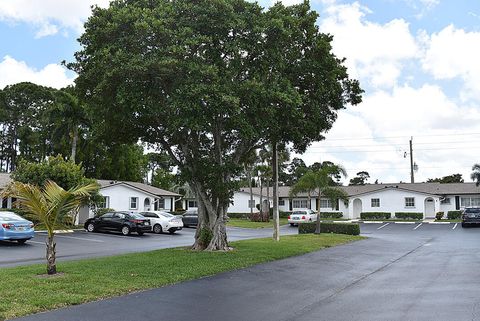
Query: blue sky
column 416, row 59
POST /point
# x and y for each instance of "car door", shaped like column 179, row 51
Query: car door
column 104, row 221
column 117, row 221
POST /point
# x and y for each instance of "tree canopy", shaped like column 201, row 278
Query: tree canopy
column 209, row 82
column 360, row 179
column 454, row 178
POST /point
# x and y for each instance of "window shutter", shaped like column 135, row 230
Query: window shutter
column 457, row 202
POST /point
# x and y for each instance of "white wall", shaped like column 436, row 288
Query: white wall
column 393, row 200
column 240, row 203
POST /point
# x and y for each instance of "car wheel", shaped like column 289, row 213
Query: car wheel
column 126, row 230
column 140, row 233
column 21, row 241
column 91, row 227
column 157, row 229
column 464, row 225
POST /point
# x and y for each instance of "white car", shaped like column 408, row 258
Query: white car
column 162, row 221
column 302, row 216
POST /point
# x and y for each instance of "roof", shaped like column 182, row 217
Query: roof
column 5, row 180
column 352, row 190
column 141, row 186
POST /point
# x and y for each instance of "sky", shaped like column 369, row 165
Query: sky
column 417, row 60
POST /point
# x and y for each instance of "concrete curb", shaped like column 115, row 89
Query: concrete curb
column 372, row 222
column 406, row 222
column 57, row 231
column 441, row 222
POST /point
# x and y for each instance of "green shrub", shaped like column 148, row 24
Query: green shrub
column 375, row 215
column 406, row 215
column 337, row 228
column 205, row 236
column 331, row 214
column 439, row 215
column 454, row 215
column 101, row 211
column 238, row 215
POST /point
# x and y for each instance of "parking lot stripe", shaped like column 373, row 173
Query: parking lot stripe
column 80, row 238
column 454, row 226
column 417, row 226
column 382, row 226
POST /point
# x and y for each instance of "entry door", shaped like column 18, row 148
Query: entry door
column 429, row 208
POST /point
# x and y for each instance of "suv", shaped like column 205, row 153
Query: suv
column 470, row 215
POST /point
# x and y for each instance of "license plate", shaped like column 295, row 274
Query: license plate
column 20, row 228
column 296, row 218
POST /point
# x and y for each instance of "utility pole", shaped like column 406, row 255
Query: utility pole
column 412, row 179
column 276, row 223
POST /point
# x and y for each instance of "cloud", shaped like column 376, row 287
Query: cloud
column 453, row 53
column 13, row 71
column 49, row 16
column 375, row 52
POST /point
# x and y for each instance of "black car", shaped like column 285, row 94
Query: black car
column 470, row 215
column 124, row 222
column 190, row 218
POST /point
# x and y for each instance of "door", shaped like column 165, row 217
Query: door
column 429, row 208
column 117, row 221
column 357, row 208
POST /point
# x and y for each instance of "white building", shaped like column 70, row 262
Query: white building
column 426, row 198
column 118, row 195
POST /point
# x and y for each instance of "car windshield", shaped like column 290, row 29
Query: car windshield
column 136, row 216
column 8, row 217
column 299, row 212
column 472, row 210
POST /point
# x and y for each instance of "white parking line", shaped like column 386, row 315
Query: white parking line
column 80, row 238
column 454, row 226
column 417, row 226
column 382, row 226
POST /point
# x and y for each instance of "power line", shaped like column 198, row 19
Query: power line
column 405, row 136
column 392, row 144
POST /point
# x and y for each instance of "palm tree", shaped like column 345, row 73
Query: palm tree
column 50, row 205
column 321, row 181
column 476, row 173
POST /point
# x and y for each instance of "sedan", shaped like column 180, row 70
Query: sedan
column 190, row 218
column 302, row 216
column 124, row 222
column 15, row 228
column 470, row 215
column 163, row 221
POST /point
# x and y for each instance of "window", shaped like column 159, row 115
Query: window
column 192, row 203
column 446, row 200
column 325, row 203
column 409, row 201
column 251, row 203
column 300, row 203
column 119, row 215
column 281, row 202
column 161, row 203
column 104, row 203
column 469, row 201
column 133, row 203
column 375, row 202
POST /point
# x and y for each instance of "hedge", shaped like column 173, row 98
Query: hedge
column 375, row 215
column 331, row 215
column 337, row 228
column 406, row 215
column 239, row 215
column 454, row 215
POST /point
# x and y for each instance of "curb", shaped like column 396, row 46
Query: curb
column 440, row 222
column 56, row 231
column 372, row 222
column 406, row 222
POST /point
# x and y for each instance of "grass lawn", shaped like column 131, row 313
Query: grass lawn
column 23, row 292
column 246, row 223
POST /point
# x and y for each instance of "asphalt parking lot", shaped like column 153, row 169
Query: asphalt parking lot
column 82, row 244
column 411, row 272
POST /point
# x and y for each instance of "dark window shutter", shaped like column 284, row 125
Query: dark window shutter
column 291, row 205
column 457, row 202
column 337, row 204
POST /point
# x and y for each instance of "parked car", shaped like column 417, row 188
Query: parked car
column 13, row 227
column 190, row 218
column 125, row 222
column 161, row 221
column 302, row 216
column 470, row 215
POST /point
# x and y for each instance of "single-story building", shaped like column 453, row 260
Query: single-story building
column 426, row 198
column 118, row 195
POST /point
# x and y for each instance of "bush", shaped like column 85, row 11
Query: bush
column 454, row 215
column 238, row 215
column 439, row 215
column 406, row 215
column 205, row 236
column 337, row 228
column 331, row 215
column 375, row 215
column 101, row 211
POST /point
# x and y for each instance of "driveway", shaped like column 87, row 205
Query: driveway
column 82, row 244
column 401, row 272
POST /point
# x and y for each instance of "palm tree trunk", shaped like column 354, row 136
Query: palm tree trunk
column 51, row 265
column 74, row 144
column 276, row 222
column 267, row 214
column 317, row 225
column 251, row 191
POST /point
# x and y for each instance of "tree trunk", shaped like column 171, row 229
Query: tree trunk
column 74, row 143
column 317, row 225
column 276, row 222
column 51, row 252
column 251, row 191
column 261, row 200
column 267, row 214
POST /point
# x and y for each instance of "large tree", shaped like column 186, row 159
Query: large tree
column 208, row 82
column 360, row 179
column 454, row 178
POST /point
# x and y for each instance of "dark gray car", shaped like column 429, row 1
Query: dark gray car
column 470, row 215
column 190, row 218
